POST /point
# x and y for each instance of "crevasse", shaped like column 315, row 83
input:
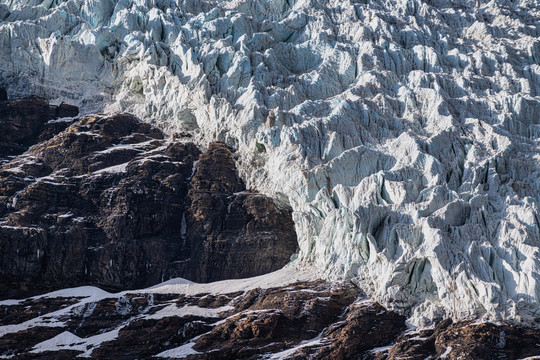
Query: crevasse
column 404, row 133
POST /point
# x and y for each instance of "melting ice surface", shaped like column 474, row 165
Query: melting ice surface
column 404, row 133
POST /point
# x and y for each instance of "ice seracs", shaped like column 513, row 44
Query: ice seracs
column 403, row 133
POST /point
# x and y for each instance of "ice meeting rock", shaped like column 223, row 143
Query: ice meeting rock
column 403, row 134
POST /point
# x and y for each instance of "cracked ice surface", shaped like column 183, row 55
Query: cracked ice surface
column 404, row 133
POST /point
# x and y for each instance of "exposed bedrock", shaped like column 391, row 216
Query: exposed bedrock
column 230, row 231
column 307, row 320
column 109, row 201
column 24, row 121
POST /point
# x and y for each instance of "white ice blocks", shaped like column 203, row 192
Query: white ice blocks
column 404, row 133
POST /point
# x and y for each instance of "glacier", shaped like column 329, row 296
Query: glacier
column 404, row 134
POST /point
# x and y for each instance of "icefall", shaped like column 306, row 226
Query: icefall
column 403, row 133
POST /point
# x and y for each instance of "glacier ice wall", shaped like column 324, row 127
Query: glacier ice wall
column 404, row 133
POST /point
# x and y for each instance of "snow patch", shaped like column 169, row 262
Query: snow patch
column 69, row 341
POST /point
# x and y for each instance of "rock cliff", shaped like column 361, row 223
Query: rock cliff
column 24, row 121
column 109, row 201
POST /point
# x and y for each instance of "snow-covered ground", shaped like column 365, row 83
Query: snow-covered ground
column 88, row 294
column 404, row 134
column 288, row 275
column 69, row 341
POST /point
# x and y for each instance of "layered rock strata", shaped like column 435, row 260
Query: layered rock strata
column 109, row 201
column 234, row 320
column 24, row 121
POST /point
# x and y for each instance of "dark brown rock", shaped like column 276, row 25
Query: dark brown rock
column 107, row 314
column 487, row 341
column 231, row 229
column 51, row 355
column 23, row 341
column 276, row 318
column 213, row 301
column 411, row 348
column 66, row 110
column 365, row 327
column 24, row 121
column 144, row 338
column 109, row 202
column 311, row 320
column 468, row 340
column 32, row 308
column 258, row 322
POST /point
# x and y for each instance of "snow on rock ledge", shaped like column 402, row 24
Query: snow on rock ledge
column 403, row 133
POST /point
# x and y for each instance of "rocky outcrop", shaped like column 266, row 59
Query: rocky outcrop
column 364, row 327
column 24, row 121
column 310, row 319
column 229, row 228
column 109, row 201
column 466, row 340
column 214, row 326
column 275, row 319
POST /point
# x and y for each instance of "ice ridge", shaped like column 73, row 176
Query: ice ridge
column 404, row 133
